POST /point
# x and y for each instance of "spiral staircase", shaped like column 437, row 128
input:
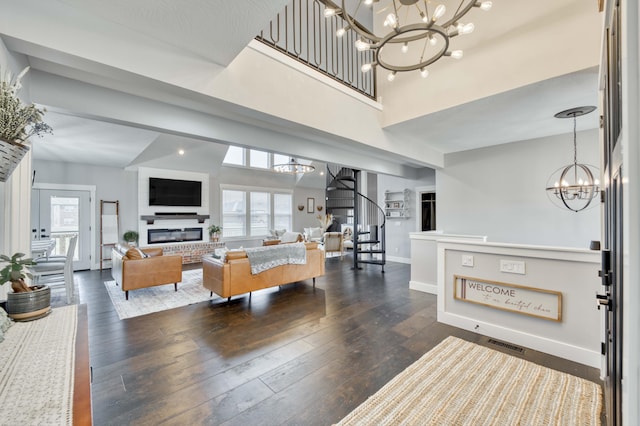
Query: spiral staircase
column 349, row 206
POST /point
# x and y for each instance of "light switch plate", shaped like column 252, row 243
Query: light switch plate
column 512, row 267
column 467, row 260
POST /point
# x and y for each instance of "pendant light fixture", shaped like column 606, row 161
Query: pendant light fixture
column 414, row 34
column 293, row 167
column 576, row 185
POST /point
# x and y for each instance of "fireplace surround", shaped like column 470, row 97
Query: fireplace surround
column 161, row 236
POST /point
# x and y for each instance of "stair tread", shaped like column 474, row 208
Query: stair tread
column 373, row 261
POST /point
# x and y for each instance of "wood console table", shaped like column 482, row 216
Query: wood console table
column 82, row 378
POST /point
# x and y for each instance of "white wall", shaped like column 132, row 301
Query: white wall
column 398, row 243
column 499, row 192
column 111, row 184
column 118, row 184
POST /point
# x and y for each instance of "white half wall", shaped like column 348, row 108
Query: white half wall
column 499, row 192
column 572, row 273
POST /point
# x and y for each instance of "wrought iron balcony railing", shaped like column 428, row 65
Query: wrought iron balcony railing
column 302, row 32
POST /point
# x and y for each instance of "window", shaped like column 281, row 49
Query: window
column 259, row 159
column 235, row 155
column 238, row 156
column 282, row 211
column 280, row 159
column 253, row 213
column 260, row 213
column 233, row 214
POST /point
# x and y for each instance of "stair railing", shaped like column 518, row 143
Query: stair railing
column 367, row 212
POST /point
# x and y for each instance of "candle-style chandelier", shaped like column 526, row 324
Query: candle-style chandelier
column 576, row 185
column 293, row 167
column 415, row 33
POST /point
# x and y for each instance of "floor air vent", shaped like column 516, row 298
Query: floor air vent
column 506, row 345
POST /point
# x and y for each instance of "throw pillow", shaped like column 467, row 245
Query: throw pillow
column 290, row 237
column 277, row 233
column 316, row 233
column 136, row 253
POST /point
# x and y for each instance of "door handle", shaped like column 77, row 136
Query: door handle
column 44, row 236
column 605, row 272
column 603, row 300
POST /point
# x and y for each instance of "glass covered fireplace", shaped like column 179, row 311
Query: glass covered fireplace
column 158, row 236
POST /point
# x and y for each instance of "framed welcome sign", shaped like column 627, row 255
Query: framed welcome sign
column 523, row 300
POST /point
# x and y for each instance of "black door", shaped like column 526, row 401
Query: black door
column 610, row 299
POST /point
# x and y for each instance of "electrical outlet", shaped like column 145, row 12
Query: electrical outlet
column 512, row 267
column 467, row 260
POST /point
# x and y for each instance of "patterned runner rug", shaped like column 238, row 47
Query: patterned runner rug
column 461, row 383
column 37, row 370
column 159, row 298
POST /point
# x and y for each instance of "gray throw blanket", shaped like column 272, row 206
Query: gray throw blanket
column 263, row 258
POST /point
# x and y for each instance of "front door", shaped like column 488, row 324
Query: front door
column 59, row 215
column 611, row 297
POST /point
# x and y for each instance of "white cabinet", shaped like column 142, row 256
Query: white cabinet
column 397, row 204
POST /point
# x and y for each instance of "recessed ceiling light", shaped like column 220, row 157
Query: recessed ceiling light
column 181, row 151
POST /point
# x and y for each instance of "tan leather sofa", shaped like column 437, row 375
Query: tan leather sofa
column 131, row 270
column 233, row 276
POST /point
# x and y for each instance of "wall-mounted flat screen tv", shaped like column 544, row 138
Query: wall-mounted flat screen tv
column 173, row 192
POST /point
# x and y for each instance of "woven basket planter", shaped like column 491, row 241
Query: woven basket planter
column 29, row 305
column 11, row 153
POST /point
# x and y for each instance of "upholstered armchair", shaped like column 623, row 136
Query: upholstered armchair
column 333, row 242
column 134, row 268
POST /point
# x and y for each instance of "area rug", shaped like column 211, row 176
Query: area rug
column 461, row 383
column 37, row 370
column 159, row 298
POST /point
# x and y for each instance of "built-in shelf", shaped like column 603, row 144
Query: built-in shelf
column 396, row 204
column 150, row 219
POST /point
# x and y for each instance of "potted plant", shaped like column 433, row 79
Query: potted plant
column 24, row 303
column 214, row 232
column 18, row 122
column 131, row 237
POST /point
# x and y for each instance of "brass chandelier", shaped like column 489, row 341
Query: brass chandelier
column 416, row 33
column 576, row 185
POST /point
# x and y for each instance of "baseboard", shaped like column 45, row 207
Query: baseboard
column 399, row 259
column 424, row 287
column 552, row 347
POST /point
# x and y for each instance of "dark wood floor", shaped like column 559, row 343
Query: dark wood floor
column 295, row 356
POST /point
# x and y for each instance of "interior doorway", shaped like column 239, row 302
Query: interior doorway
column 425, row 208
column 428, row 211
column 59, row 214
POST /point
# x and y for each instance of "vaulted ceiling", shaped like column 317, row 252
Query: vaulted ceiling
column 519, row 69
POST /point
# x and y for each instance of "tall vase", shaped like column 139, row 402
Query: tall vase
column 11, row 153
